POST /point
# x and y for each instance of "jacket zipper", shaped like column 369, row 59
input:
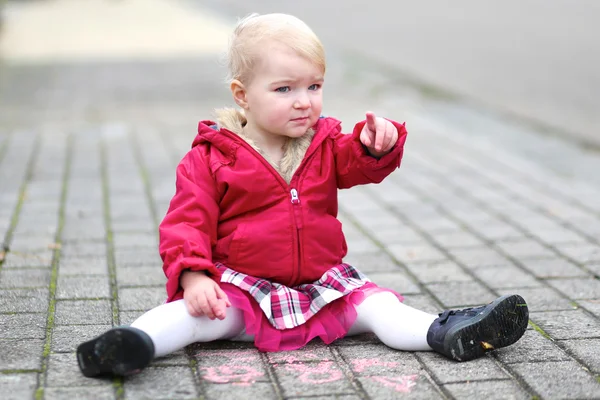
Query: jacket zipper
column 295, row 199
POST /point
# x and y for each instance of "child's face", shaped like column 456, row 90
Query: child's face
column 285, row 95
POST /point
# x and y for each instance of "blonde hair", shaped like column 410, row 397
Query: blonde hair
column 253, row 31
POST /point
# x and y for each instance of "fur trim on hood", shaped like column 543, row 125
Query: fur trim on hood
column 294, row 150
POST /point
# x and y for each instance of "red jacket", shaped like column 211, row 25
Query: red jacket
column 231, row 206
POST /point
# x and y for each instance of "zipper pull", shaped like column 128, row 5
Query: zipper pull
column 295, row 198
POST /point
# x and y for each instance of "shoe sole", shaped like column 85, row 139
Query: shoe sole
column 119, row 351
column 500, row 324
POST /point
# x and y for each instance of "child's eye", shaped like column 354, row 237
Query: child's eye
column 315, row 86
column 283, row 89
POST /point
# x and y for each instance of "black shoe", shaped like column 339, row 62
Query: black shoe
column 120, row 351
column 467, row 334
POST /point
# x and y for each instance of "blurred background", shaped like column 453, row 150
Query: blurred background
column 529, row 60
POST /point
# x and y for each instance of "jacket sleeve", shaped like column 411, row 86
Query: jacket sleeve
column 189, row 229
column 354, row 164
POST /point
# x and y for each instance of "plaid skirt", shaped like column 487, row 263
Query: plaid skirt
column 286, row 318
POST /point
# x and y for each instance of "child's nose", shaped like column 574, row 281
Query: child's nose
column 302, row 102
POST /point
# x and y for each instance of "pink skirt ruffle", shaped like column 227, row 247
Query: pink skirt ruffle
column 331, row 322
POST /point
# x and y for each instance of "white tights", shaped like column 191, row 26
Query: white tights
column 397, row 325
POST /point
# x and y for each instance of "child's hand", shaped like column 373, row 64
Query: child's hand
column 203, row 296
column 378, row 135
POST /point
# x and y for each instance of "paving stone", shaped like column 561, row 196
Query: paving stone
column 311, row 353
column 459, row 294
column 489, row 390
column 33, row 260
column 23, row 300
column 586, row 350
column 479, row 257
column 446, row 271
column 24, row 278
column 548, row 379
column 526, row 249
column 64, row 371
column 177, row 358
column 422, row 302
column 18, row 386
column 388, row 235
column 541, row 299
column 447, row 371
column 256, row 390
column 129, row 240
column 582, row 253
column 397, row 281
column 141, row 276
column 94, row 392
column 362, row 246
column 83, row 312
column 133, row 257
column 372, row 262
column 311, row 379
column 84, row 249
column 161, row 383
column 553, row 268
column 66, row 338
column 578, row 288
column 495, row 230
column 83, row 266
column 506, row 276
column 82, row 287
column 20, row 354
column 532, row 347
column 23, row 326
column 558, row 236
column 592, row 306
column 573, row 324
column 369, row 359
column 410, row 386
column 438, row 224
column 142, row 298
column 457, row 240
column 417, row 253
column 32, row 244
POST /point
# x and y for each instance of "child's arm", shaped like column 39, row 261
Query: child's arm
column 189, row 228
column 358, row 157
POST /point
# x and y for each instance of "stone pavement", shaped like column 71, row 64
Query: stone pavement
column 479, row 208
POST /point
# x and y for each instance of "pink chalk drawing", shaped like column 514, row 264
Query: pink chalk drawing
column 239, row 375
column 361, row 364
column 316, row 374
column 293, row 359
column 403, row 384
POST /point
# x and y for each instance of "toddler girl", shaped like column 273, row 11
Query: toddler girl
column 251, row 245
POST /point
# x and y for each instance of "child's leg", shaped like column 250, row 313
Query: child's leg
column 397, row 325
column 160, row 331
column 171, row 327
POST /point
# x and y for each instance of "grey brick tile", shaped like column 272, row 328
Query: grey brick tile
column 553, row 268
column 311, row 353
column 532, row 347
column 20, row 354
column 141, row 276
column 128, row 240
column 548, row 379
column 592, row 306
column 132, row 258
column 422, row 302
column 143, row 298
column 479, row 257
column 162, row 383
column 227, row 391
column 362, row 246
column 447, row 271
column 586, row 350
column 21, row 278
column 64, row 371
column 506, row 276
column 411, row 386
column 457, row 239
column 83, row 392
column 448, row 371
column 82, row 287
column 396, row 235
column 83, row 312
column 66, row 338
column 558, row 236
column 415, row 253
column 372, row 262
column 312, row 379
column 177, row 358
column 19, row 260
column 495, row 230
column 582, row 253
column 82, row 249
column 18, row 386
column 32, row 244
column 438, row 224
column 574, row 324
column 526, row 249
column 578, row 288
column 23, row 326
column 490, row 390
column 459, row 294
column 23, row 300
column 243, row 367
column 397, row 281
column 378, row 360
column 83, row 266
column 541, row 299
